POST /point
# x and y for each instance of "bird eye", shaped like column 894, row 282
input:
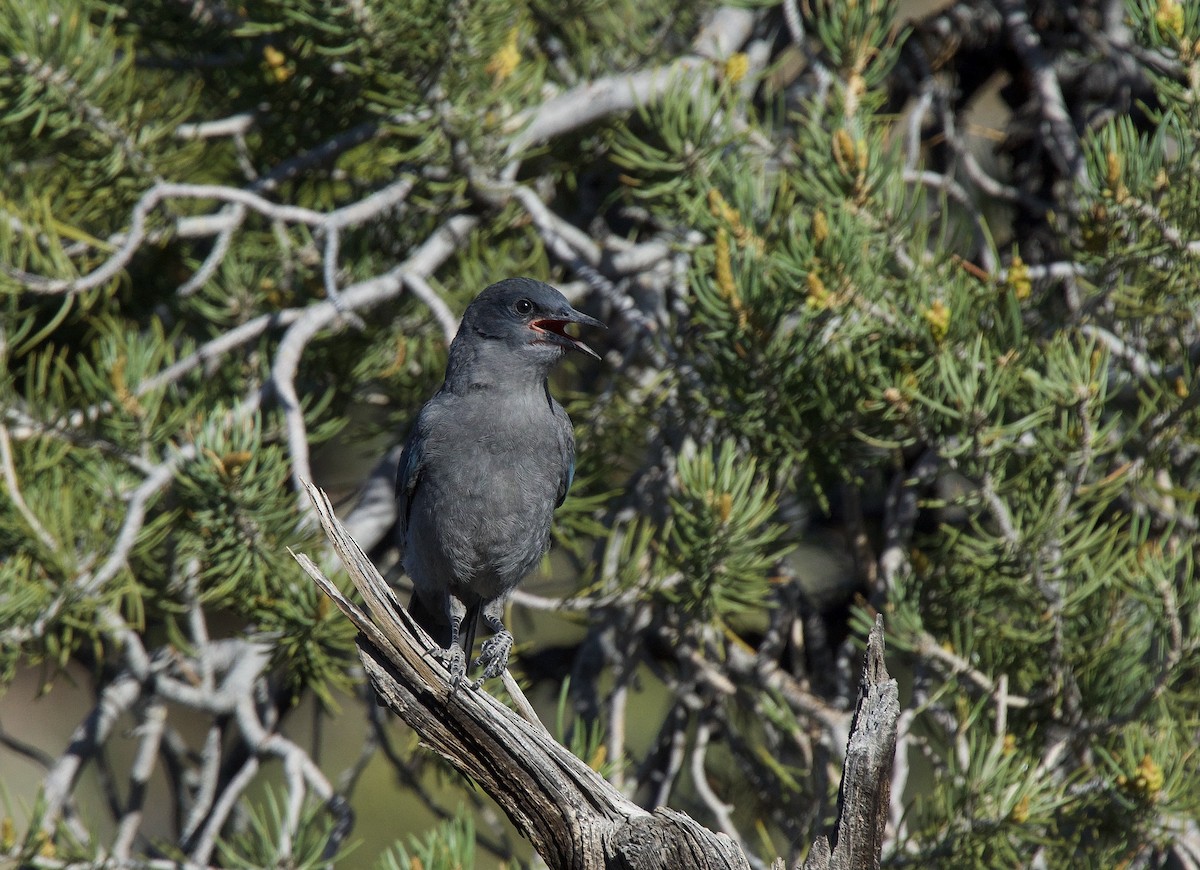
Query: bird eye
column 523, row 306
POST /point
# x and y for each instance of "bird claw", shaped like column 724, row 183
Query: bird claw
column 494, row 655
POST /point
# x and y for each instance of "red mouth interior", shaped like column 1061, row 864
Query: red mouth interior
column 559, row 328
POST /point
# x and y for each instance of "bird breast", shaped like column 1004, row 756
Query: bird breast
column 495, row 499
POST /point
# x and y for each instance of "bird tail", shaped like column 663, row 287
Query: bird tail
column 436, row 628
column 469, row 627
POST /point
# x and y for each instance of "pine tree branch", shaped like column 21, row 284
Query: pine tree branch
column 1172, row 235
column 1024, row 39
column 90, row 583
column 303, row 326
column 721, row 35
column 354, row 214
column 74, row 94
column 421, row 263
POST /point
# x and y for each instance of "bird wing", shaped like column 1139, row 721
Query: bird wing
column 566, row 444
column 408, row 472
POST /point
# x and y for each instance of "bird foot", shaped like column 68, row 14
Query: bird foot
column 454, row 660
column 494, row 655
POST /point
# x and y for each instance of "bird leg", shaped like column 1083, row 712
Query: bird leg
column 494, row 653
column 452, row 657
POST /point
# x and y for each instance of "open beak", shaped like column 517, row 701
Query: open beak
column 555, row 328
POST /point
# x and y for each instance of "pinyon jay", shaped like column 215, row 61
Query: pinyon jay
column 488, row 459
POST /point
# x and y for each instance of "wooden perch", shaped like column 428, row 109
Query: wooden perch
column 865, row 796
column 575, row 819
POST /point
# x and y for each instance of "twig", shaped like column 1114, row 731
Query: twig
column 441, row 311
column 916, row 122
column 150, row 731
column 34, row 753
column 744, row 666
column 23, row 427
column 676, row 724
column 234, row 125
column 207, row 840
column 719, row 809
column 301, row 773
column 217, row 347
column 953, row 665
column 954, row 191
column 1171, row 235
column 584, row 256
column 117, row 697
column 206, row 792
column 795, row 26
column 975, row 172
column 1044, row 271
column 618, row 708
column 234, row 216
column 13, row 485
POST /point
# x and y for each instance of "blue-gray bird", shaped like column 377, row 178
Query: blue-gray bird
column 489, row 458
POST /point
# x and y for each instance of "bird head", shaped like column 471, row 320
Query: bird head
column 528, row 319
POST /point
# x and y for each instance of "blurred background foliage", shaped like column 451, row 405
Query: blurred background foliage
column 903, row 318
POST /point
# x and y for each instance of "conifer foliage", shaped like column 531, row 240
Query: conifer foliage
column 871, row 350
